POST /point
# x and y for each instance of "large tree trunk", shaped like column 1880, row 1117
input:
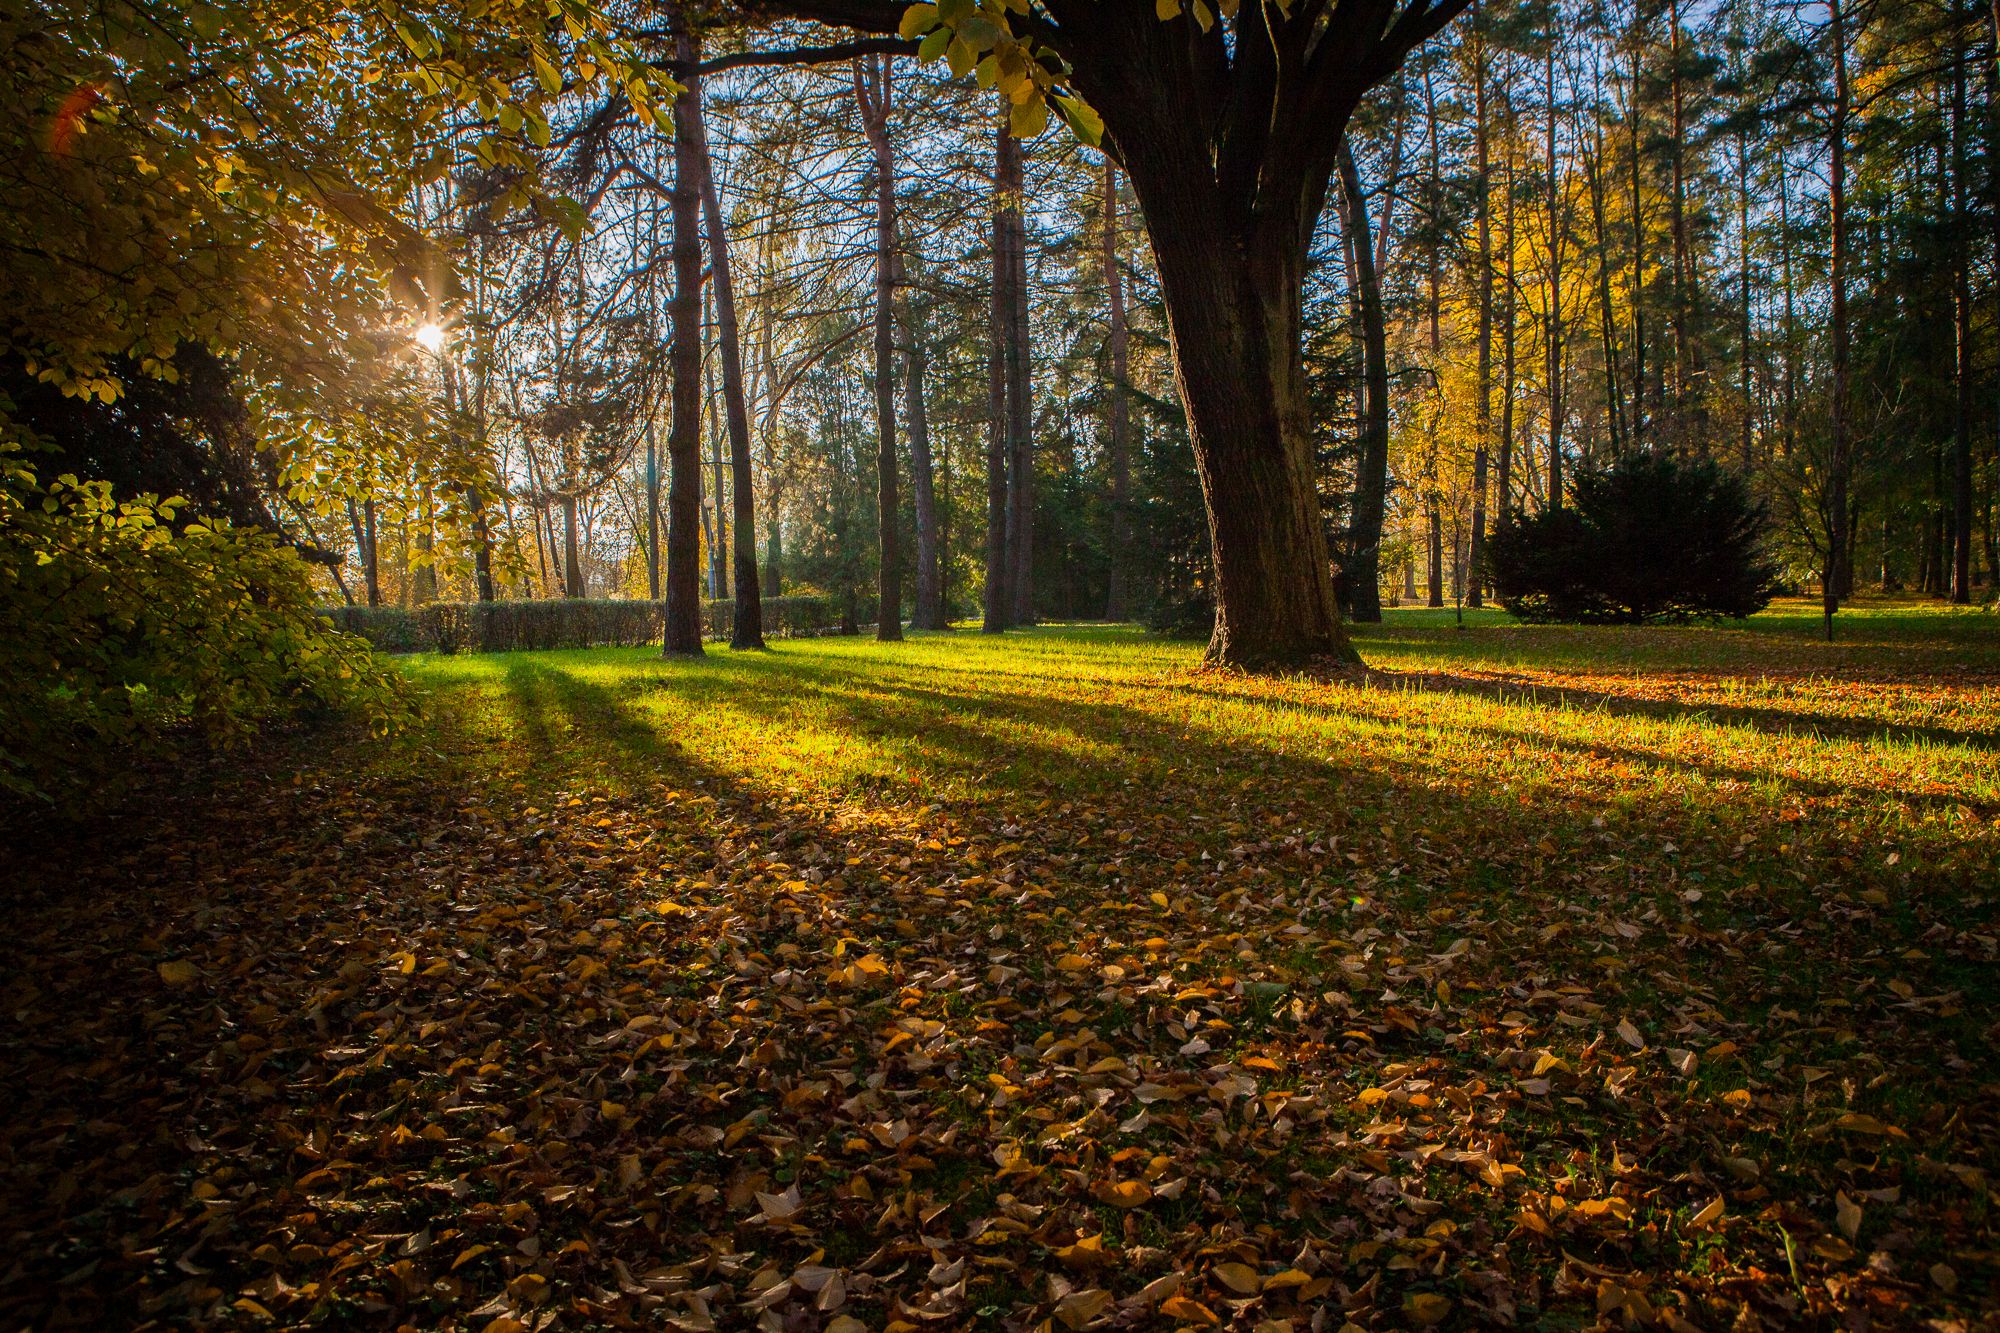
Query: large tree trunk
column 1371, row 478
column 747, row 619
column 1228, row 130
column 1117, row 422
column 871, row 92
column 683, row 612
column 1020, row 412
column 999, row 565
column 1233, row 311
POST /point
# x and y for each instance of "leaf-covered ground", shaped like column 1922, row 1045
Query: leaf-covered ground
column 1549, row 978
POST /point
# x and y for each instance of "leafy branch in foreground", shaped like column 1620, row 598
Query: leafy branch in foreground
column 123, row 625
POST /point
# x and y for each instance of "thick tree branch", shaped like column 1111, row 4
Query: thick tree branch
column 800, row 55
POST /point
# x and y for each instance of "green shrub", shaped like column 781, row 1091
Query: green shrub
column 520, row 626
column 123, row 628
column 1651, row 538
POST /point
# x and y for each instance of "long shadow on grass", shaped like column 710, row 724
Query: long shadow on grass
column 1770, row 720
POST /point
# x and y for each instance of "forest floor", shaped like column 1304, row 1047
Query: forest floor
column 1550, row 977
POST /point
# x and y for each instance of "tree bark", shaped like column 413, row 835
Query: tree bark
column 682, row 636
column 1364, row 575
column 1554, row 337
column 928, row 611
column 747, row 617
column 999, row 564
column 1961, row 300
column 1836, row 485
column 652, row 511
column 1482, row 410
column 871, row 93
column 572, row 561
column 1020, row 418
column 1117, row 422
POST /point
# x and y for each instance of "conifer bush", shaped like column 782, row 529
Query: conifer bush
column 1651, row 538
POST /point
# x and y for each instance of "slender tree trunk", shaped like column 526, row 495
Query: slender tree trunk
column 747, row 619
column 999, row 563
column 572, row 560
column 1118, row 425
column 1636, row 115
column 1372, row 471
column 652, row 511
column 1746, row 402
column 1020, row 415
column 1554, row 338
column 1961, row 300
column 1503, row 480
column 871, row 92
column 371, row 568
column 1482, row 408
column 1677, row 218
column 929, row 609
column 1836, row 483
column 683, row 631
column 482, row 546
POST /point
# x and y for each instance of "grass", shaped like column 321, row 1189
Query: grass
column 1548, row 975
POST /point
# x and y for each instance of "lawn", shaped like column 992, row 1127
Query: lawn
column 1545, row 976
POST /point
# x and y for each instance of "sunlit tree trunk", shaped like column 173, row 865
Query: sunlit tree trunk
column 1838, row 461
column 1020, row 409
column 999, row 562
column 1117, row 423
column 1482, row 408
column 747, row 619
column 683, row 612
column 1372, row 467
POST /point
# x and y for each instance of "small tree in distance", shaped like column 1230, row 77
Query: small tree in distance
column 1652, row 538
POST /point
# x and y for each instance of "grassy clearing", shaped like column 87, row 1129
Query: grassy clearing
column 1548, row 975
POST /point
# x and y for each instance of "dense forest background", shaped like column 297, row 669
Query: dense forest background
column 1762, row 233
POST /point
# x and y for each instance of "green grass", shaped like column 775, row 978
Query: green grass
column 1482, row 976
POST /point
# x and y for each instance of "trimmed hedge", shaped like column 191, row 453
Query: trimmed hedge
column 500, row 627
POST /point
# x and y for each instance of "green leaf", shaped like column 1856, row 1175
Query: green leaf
column 960, row 57
column 933, row 45
column 983, row 34
column 1029, row 118
column 1083, row 119
column 918, row 19
column 546, row 71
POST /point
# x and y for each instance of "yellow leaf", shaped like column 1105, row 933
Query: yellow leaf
column 1079, row 1308
column 1187, row 1310
column 1070, row 962
column 1426, row 1308
column 180, row 972
column 1125, row 1193
column 1710, row 1214
column 1848, row 1213
column 1167, row 9
column 1239, row 1278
